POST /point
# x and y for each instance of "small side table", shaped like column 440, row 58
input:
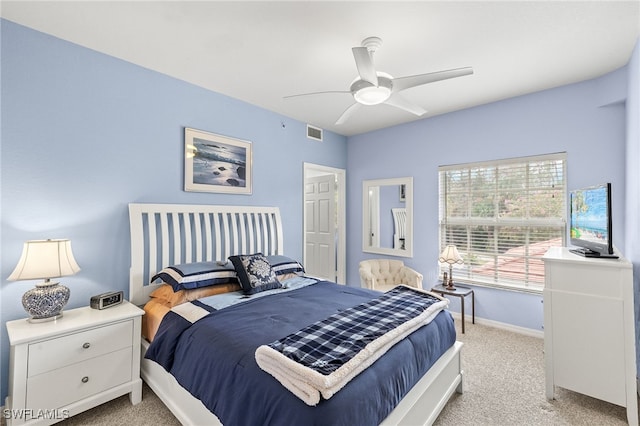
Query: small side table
column 460, row 292
column 63, row 367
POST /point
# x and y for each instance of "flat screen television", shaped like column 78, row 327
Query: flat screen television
column 590, row 221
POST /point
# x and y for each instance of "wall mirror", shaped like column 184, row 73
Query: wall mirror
column 387, row 216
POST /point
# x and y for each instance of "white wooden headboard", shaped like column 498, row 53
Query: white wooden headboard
column 172, row 234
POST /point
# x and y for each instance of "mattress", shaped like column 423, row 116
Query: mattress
column 213, row 358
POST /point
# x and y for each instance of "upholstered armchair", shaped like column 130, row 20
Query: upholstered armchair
column 384, row 274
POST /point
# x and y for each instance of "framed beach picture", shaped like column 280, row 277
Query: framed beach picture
column 216, row 163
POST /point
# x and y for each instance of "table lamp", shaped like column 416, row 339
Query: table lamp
column 45, row 259
column 450, row 255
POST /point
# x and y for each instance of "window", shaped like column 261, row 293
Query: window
column 503, row 216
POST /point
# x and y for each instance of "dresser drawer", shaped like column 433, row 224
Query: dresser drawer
column 52, row 354
column 72, row 383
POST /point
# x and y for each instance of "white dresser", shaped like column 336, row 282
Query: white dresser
column 58, row 369
column 589, row 328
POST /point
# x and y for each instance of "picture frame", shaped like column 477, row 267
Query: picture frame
column 217, row 163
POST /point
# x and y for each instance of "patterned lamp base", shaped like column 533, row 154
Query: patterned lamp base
column 45, row 302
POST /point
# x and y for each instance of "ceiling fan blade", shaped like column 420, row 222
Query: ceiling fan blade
column 402, row 83
column 316, row 93
column 400, row 102
column 348, row 113
column 365, row 65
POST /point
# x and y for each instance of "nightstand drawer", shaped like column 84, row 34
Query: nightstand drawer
column 63, row 386
column 52, row 354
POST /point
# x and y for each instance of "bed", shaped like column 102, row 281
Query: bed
column 165, row 234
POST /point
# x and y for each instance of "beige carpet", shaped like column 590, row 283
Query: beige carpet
column 504, row 385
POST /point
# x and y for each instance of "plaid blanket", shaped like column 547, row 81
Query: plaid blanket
column 320, row 359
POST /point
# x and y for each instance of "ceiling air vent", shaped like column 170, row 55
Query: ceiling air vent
column 314, row 133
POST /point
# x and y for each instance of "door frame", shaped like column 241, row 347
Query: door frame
column 311, row 169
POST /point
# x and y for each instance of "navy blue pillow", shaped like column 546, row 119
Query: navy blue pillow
column 255, row 273
column 284, row 265
column 196, row 275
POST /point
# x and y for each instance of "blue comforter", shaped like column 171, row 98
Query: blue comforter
column 214, row 359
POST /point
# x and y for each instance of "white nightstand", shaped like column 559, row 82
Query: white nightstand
column 58, row 369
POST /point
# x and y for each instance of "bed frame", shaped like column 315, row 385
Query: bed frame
column 165, row 234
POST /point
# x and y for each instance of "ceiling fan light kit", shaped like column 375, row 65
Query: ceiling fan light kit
column 372, row 87
column 369, row 94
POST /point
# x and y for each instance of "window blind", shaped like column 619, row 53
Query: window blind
column 503, row 216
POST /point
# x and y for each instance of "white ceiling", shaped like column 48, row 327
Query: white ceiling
column 261, row 51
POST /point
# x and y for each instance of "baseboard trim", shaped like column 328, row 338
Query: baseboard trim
column 501, row 325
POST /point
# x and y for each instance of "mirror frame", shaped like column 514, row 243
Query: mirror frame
column 366, row 222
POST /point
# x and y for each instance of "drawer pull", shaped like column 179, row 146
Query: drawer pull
column 86, row 345
column 85, row 379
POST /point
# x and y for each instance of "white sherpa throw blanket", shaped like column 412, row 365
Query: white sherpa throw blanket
column 322, row 358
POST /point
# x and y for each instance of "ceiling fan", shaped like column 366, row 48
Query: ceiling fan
column 373, row 87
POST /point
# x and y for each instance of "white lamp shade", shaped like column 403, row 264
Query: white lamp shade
column 450, row 255
column 45, row 259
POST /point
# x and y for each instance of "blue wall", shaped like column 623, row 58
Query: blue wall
column 632, row 229
column 586, row 120
column 84, row 134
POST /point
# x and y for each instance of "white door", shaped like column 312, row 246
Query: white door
column 321, row 227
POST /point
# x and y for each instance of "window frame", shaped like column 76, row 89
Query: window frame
column 465, row 272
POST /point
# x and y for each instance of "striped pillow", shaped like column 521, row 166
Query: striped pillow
column 196, row 275
column 282, row 265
